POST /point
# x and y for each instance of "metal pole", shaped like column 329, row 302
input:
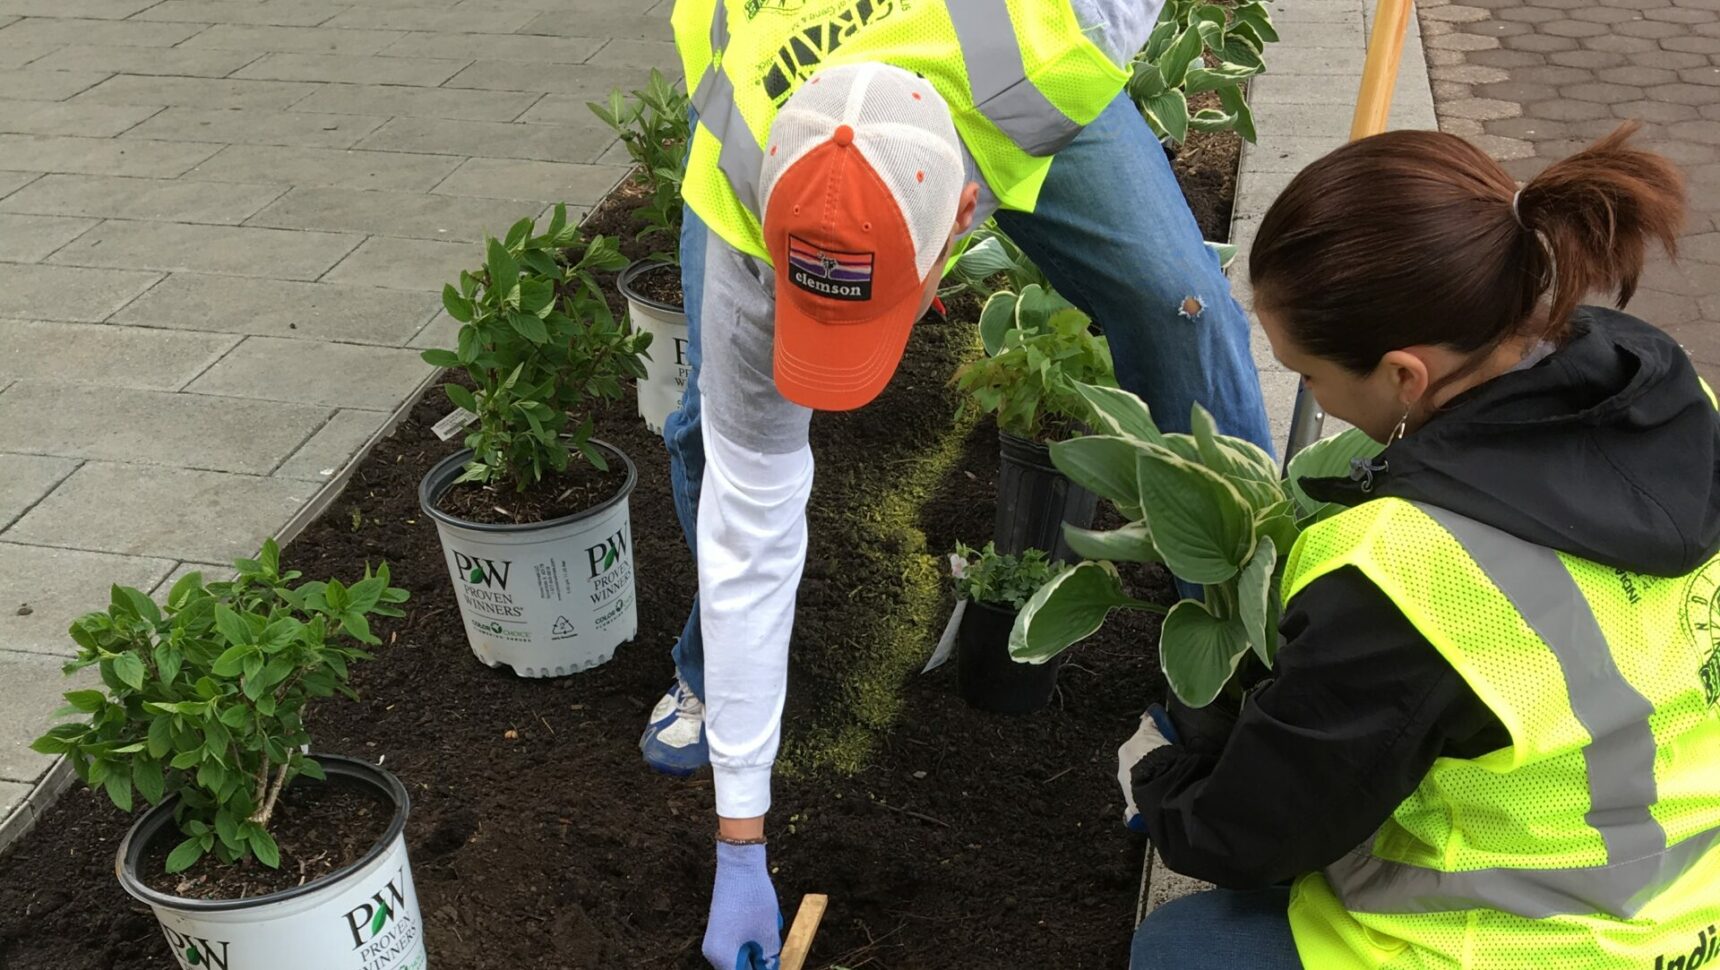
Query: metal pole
column 1373, row 108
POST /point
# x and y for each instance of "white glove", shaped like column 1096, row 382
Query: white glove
column 1149, row 737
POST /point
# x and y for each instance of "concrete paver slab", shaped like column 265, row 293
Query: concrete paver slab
column 153, row 427
column 633, row 54
column 16, row 57
column 255, row 41
column 542, row 181
column 35, row 690
column 12, row 795
column 358, row 314
column 103, row 156
column 312, row 371
column 561, row 109
column 30, row 239
column 62, row 32
column 324, row 166
column 35, row 84
column 377, row 99
column 163, row 512
column 331, row 447
column 257, row 126
column 212, row 573
column 353, row 69
column 461, row 18
column 605, row 20
column 175, row 61
column 222, row 250
column 499, row 47
column 590, row 82
column 164, row 200
column 199, row 92
column 88, row 119
column 106, row 355
column 580, row 142
column 282, row 13
column 410, row 214
column 58, row 586
column 407, row 264
column 25, row 479
column 91, row 9
column 442, row 332
column 68, row 292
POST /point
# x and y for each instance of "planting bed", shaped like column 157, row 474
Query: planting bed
column 945, row 837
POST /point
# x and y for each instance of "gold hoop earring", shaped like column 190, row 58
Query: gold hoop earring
column 1401, row 429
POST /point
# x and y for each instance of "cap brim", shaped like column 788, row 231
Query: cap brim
column 840, row 366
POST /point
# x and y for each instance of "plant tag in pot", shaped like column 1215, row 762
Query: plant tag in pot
column 947, row 642
column 453, row 423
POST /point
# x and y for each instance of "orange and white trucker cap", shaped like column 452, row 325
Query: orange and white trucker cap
column 862, row 178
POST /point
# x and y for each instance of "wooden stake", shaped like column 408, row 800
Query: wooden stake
column 799, row 942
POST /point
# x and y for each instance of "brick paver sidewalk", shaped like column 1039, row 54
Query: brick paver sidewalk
column 223, row 224
column 1534, row 80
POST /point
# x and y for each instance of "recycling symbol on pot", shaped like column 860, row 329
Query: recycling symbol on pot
column 563, row 627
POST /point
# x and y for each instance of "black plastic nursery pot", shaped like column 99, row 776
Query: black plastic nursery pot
column 547, row 599
column 360, row 917
column 1034, row 500
column 988, row 678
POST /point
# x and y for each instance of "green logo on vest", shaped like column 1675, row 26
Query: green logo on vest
column 1702, row 624
column 807, row 48
column 1707, row 942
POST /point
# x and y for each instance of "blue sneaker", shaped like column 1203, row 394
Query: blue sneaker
column 674, row 741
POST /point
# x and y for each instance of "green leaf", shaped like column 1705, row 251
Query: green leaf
column 504, row 272
column 160, row 737
column 143, row 605
column 50, row 745
column 1225, row 252
column 1183, row 52
column 1201, row 79
column 1200, row 652
column 1104, row 465
column 88, row 701
column 1131, row 543
column 1201, row 524
column 183, row 588
column 1067, row 610
column 234, row 716
column 1236, row 102
column 1168, row 112
column 227, row 828
column 119, row 790
column 1241, row 463
column 310, row 769
column 146, row 775
column 996, row 319
column 168, row 659
column 1254, row 596
column 129, row 669
column 1113, row 410
column 185, row 855
column 1331, row 457
column 232, row 659
column 440, row 358
column 529, row 327
column 457, row 306
column 263, row 844
column 461, row 397
column 231, row 625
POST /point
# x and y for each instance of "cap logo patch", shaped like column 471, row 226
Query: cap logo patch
column 830, row 274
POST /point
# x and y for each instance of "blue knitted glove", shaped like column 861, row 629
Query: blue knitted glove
column 745, row 929
column 1155, row 732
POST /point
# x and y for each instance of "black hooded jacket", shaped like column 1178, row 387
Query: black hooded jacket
column 1609, row 450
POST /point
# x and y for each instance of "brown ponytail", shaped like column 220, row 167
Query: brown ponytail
column 1417, row 238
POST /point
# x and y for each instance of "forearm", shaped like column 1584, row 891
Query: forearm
column 751, row 549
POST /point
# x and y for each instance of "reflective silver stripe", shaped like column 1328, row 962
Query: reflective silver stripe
column 998, row 78
column 741, row 160
column 1619, row 763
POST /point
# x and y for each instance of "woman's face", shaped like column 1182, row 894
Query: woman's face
column 1374, row 402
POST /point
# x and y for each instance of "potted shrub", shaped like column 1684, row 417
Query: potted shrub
column 1036, row 347
column 995, row 587
column 533, row 514
column 256, row 855
column 654, row 127
column 1210, row 507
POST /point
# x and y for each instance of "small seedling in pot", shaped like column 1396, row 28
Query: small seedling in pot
column 1037, row 347
column 1212, row 508
column 1006, row 581
column 654, row 127
column 996, row 585
column 206, row 697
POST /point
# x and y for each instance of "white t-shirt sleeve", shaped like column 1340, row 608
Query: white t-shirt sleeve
column 752, row 548
column 1119, row 27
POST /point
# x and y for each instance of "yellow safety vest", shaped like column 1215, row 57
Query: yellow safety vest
column 1589, row 842
column 1020, row 77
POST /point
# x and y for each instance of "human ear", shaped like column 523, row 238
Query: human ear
column 1409, row 376
column 965, row 211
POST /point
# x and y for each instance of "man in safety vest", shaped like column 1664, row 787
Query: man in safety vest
column 841, row 147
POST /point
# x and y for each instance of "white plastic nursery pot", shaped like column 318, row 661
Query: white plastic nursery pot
column 546, row 598
column 362, row 917
column 667, row 370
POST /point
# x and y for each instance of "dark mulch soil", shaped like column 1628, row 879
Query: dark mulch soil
column 581, row 488
column 662, row 284
column 1206, row 166
column 323, row 827
column 538, row 838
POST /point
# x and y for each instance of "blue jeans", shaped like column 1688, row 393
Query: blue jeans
column 1114, row 236
column 1219, row 928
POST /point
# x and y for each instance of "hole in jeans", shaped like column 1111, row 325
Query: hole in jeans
column 1191, row 308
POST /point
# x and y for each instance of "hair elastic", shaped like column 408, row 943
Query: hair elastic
column 1514, row 213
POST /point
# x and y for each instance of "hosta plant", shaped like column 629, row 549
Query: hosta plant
column 1002, row 580
column 542, row 348
column 1037, row 348
column 1212, row 508
column 1197, row 47
column 206, row 697
column 985, row 256
column 654, row 127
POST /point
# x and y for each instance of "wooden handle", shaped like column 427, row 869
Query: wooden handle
column 1379, row 73
column 799, row 942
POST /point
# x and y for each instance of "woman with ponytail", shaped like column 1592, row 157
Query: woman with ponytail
column 1491, row 737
